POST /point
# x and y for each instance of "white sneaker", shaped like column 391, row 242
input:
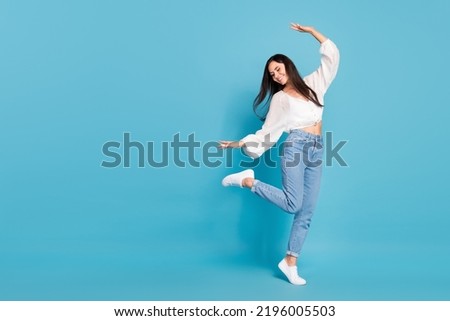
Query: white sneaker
column 236, row 179
column 291, row 273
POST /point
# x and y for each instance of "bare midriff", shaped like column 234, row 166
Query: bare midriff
column 315, row 129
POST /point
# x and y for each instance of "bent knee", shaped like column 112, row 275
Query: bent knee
column 294, row 207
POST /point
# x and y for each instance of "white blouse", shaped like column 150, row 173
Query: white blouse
column 287, row 113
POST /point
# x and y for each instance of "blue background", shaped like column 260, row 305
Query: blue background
column 77, row 74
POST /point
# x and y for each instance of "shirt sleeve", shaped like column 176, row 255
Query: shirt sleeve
column 256, row 144
column 321, row 79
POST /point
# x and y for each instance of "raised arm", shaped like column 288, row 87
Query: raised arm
column 321, row 79
column 316, row 34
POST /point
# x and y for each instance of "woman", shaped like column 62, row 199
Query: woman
column 296, row 107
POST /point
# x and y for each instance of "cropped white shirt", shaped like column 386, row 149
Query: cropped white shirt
column 287, row 113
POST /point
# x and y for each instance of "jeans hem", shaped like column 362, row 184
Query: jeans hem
column 292, row 253
column 253, row 186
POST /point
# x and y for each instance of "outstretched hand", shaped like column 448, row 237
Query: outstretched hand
column 300, row 28
column 229, row 144
column 225, row 144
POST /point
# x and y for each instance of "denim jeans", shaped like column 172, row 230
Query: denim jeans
column 301, row 165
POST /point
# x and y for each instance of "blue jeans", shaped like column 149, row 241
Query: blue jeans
column 301, row 165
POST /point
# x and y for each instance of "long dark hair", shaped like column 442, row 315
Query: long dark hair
column 269, row 87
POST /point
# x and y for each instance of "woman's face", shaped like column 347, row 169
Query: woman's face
column 278, row 73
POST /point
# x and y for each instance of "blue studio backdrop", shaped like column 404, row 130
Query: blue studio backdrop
column 92, row 91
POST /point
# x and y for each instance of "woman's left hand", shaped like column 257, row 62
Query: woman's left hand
column 316, row 34
column 300, row 28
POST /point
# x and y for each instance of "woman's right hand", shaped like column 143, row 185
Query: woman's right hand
column 229, row 144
